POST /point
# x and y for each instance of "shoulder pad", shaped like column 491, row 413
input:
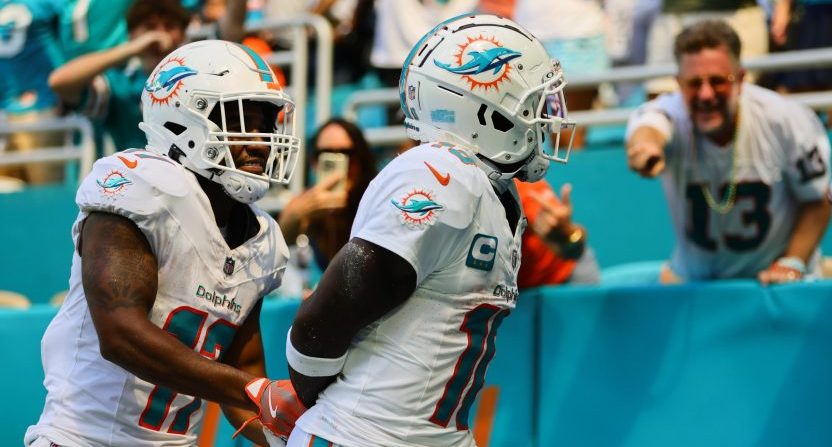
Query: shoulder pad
column 429, row 177
column 133, row 183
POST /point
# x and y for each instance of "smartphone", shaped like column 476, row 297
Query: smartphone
column 330, row 163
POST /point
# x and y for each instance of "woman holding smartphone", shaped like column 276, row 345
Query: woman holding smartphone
column 343, row 165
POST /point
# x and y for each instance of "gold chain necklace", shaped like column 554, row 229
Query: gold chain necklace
column 728, row 204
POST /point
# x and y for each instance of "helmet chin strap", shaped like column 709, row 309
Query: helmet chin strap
column 499, row 179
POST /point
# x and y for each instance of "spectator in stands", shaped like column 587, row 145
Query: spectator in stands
column 629, row 27
column 228, row 15
column 747, row 17
column 106, row 85
column 574, row 32
column 802, row 25
column 171, row 263
column 86, row 26
column 745, row 170
column 29, row 49
column 554, row 247
column 353, row 25
column 110, row 80
column 399, row 26
column 323, row 212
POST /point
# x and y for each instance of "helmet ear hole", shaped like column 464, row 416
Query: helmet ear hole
column 481, row 114
column 175, row 128
column 500, row 122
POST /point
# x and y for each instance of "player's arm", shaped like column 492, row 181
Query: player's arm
column 120, row 278
column 70, row 80
column 246, row 354
column 362, row 283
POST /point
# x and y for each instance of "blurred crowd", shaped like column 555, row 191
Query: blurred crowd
column 92, row 58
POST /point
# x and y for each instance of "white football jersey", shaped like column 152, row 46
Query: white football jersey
column 781, row 153
column 411, row 378
column 205, row 292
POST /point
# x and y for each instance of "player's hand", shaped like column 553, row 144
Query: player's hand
column 780, row 272
column 646, row 158
column 278, row 403
column 555, row 216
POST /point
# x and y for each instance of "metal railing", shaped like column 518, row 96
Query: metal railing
column 78, row 143
column 793, row 60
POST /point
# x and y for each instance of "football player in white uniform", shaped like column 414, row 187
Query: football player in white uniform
column 745, row 170
column 393, row 346
column 172, row 260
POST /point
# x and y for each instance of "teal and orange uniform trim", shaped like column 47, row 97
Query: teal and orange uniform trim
column 315, row 441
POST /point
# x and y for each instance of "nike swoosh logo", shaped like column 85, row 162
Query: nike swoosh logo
column 272, row 410
column 129, row 163
column 443, row 179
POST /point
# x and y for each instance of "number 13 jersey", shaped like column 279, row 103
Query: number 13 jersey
column 779, row 158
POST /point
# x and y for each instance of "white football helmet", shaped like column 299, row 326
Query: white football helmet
column 487, row 84
column 188, row 85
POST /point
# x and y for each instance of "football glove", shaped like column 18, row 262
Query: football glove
column 278, row 404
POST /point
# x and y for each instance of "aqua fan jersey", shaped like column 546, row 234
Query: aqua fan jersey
column 113, row 99
column 92, row 25
column 782, row 160
column 29, row 51
column 411, row 378
column 201, row 301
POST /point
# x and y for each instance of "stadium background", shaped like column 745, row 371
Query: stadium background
column 627, row 363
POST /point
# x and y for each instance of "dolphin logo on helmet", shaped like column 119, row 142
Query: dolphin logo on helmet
column 167, row 79
column 482, row 61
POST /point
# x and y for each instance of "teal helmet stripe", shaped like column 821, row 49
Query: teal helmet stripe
column 412, row 54
column 265, row 72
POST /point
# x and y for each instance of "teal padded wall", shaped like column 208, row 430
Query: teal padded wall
column 727, row 364
column 36, row 234
column 625, row 215
column 21, row 377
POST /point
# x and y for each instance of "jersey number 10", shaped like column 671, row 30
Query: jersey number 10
column 480, row 324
